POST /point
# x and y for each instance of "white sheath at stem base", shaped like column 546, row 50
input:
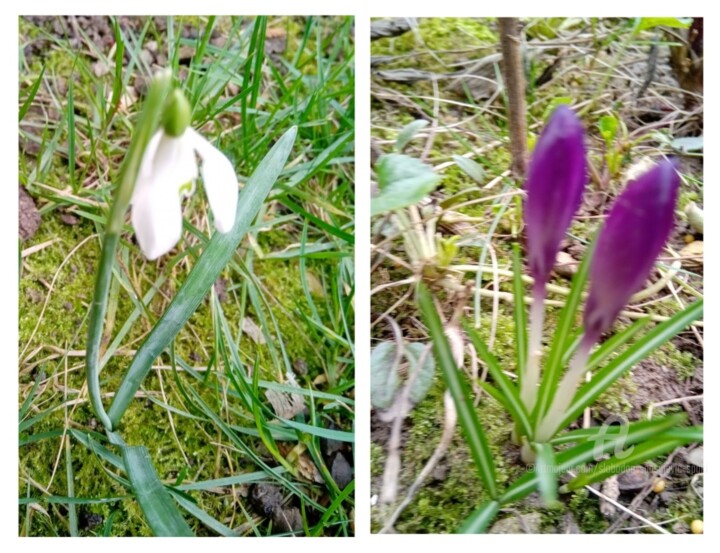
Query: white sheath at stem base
column 565, row 392
column 531, row 376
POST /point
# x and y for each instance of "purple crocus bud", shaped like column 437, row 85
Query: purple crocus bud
column 556, row 178
column 636, row 229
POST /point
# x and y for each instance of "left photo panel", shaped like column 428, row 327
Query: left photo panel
column 186, row 268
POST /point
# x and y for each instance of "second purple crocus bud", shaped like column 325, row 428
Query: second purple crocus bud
column 556, row 179
column 636, row 229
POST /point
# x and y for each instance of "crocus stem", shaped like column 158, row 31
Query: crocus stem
column 528, row 392
column 566, row 390
column 147, row 123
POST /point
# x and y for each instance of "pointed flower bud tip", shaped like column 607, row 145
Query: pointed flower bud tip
column 177, row 114
column 635, row 231
column 556, row 179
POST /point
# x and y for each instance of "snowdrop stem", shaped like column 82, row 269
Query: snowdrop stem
column 147, row 123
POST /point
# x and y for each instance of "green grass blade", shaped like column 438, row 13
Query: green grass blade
column 118, row 83
column 474, row 434
column 70, row 114
column 161, row 513
column 204, row 517
column 31, row 95
column 240, row 479
column 272, row 472
column 629, row 458
column 216, row 256
column 261, row 26
column 333, row 507
column 520, row 314
column 636, row 352
column 494, row 393
column 25, row 407
column 61, row 499
column 553, row 367
column 477, row 522
column 508, row 389
column 70, row 475
column 612, row 345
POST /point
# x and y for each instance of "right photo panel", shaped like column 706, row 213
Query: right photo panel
column 537, row 275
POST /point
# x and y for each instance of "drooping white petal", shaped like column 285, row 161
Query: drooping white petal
column 174, row 161
column 157, row 219
column 220, row 181
column 146, row 166
column 167, row 160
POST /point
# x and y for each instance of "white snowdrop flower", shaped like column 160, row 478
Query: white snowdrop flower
column 168, row 171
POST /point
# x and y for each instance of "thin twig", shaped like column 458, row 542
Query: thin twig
column 514, row 76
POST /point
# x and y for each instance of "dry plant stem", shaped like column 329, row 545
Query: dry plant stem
column 648, row 292
column 606, row 76
column 640, row 497
column 52, row 288
column 457, row 344
column 425, row 236
column 393, row 463
column 681, row 303
column 378, row 255
column 681, row 400
column 531, row 378
column 515, row 83
column 414, row 247
column 388, row 493
column 454, row 285
column 624, row 509
column 433, row 128
column 565, row 391
column 395, row 305
column 439, row 453
column 496, row 299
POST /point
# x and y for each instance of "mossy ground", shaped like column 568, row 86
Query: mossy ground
column 441, row 45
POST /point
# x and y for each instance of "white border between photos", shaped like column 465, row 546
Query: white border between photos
column 362, row 11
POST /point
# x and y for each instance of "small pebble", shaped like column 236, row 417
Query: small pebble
column 633, row 479
column 659, row 485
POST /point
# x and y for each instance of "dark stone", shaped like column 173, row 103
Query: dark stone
column 28, row 215
column 341, row 471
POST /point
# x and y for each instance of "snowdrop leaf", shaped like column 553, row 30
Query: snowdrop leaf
column 161, row 513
